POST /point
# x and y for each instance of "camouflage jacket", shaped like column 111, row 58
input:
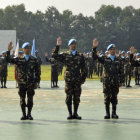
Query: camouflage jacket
column 133, row 62
column 112, row 71
column 28, row 71
column 76, row 70
column 3, row 63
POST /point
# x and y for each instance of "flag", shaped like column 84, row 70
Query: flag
column 33, row 49
column 17, row 49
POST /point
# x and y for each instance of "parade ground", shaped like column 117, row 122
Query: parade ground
column 50, row 115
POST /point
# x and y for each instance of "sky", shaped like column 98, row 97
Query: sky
column 86, row 7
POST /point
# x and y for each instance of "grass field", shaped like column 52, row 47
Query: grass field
column 45, row 73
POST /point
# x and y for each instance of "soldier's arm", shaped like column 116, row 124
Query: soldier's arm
column 11, row 59
column 94, row 52
column 96, row 57
column 55, row 52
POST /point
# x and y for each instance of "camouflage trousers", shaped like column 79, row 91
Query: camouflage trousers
column 73, row 93
column 28, row 90
column 110, row 93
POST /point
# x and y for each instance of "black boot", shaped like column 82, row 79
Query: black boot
column 114, row 115
column 75, row 115
column 24, row 113
column 70, row 117
column 29, row 116
column 107, row 107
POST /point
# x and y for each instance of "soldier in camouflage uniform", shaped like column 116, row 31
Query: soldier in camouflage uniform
column 137, row 71
column 75, row 75
column 134, row 63
column 3, row 70
column 123, row 60
column 54, row 71
column 111, row 78
column 128, row 70
column 39, row 64
column 28, row 77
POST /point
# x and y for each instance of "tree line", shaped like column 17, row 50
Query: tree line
column 110, row 24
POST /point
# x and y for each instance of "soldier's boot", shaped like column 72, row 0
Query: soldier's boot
column 5, row 84
column 114, row 115
column 24, row 113
column 1, row 84
column 75, row 115
column 70, row 117
column 107, row 108
column 29, row 116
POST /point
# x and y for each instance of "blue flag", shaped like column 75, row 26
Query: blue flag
column 33, row 49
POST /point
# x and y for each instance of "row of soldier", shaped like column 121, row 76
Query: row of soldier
column 93, row 68
column 28, row 75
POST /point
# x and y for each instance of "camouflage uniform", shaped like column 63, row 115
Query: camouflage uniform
column 123, row 61
column 134, row 63
column 28, row 75
column 54, row 71
column 128, row 72
column 112, row 78
column 3, row 71
column 137, row 75
column 89, row 63
column 75, row 75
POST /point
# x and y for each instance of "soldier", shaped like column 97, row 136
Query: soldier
column 28, row 77
column 39, row 64
column 135, row 63
column 111, row 77
column 3, row 71
column 54, row 71
column 137, row 71
column 128, row 70
column 75, row 75
column 123, row 60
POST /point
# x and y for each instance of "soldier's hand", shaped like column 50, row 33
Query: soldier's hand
column 10, row 46
column 35, row 86
column 46, row 54
column 59, row 41
column 132, row 49
column 95, row 43
column 13, row 52
column 120, row 52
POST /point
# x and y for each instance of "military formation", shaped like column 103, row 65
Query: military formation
column 114, row 70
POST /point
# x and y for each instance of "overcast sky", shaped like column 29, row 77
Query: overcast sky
column 87, row 7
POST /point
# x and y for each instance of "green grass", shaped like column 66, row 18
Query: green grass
column 45, row 73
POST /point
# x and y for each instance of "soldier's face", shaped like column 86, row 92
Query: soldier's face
column 73, row 46
column 112, row 51
column 27, row 50
column 4, row 54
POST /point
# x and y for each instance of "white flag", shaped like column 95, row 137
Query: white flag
column 17, row 49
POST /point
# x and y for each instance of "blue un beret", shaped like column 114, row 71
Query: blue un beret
column 106, row 52
column 137, row 54
column 3, row 52
column 71, row 41
column 25, row 45
column 123, row 52
column 128, row 52
column 20, row 52
column 111, row 46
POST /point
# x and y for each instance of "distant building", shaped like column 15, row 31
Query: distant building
column 5, row 37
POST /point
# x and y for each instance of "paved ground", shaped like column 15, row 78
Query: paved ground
column 50, row 115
